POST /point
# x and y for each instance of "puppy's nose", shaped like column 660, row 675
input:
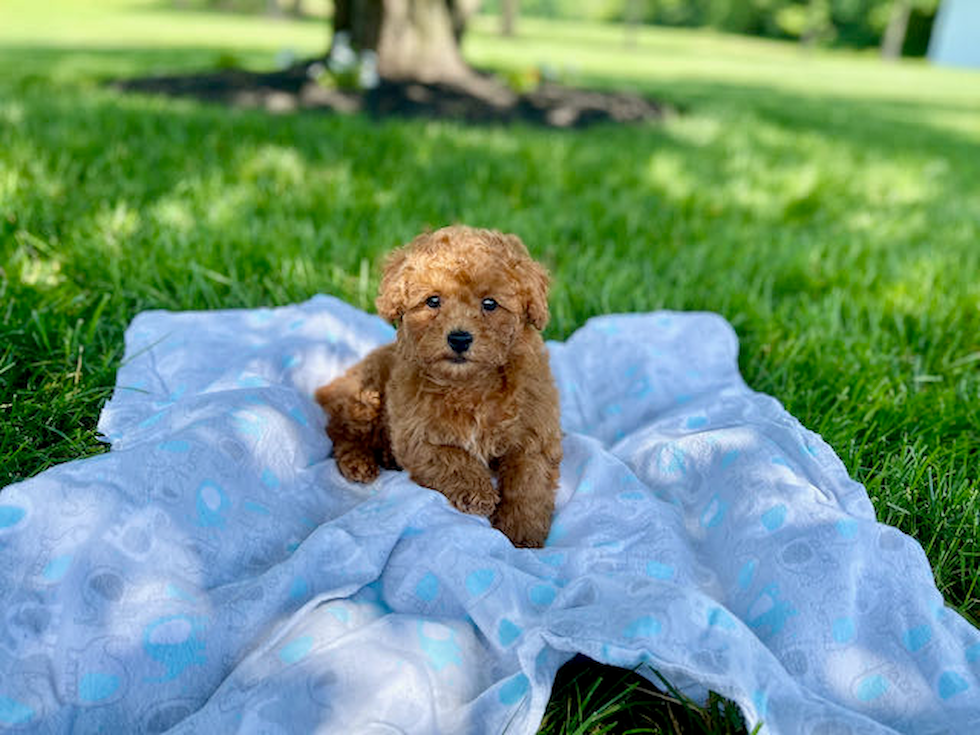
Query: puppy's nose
column 460, row 341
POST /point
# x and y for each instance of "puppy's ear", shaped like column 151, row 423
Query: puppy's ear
column 391, row 293
column 534, row 280
column 536, row 293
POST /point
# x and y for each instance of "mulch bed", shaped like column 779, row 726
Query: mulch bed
column 550, row 104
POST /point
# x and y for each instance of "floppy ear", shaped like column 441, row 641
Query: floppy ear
column 391, row 293
column 536, row 293
column 534, row 280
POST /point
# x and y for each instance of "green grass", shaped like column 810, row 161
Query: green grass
column 593, row 699
column 827, row 204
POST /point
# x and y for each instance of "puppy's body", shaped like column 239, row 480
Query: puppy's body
column 464, row 395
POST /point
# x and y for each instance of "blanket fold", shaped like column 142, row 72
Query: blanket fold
column 214, row 572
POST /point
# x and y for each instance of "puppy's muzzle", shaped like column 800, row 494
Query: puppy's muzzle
column 459, row 341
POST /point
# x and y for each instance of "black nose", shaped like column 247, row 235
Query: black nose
column 460, row 341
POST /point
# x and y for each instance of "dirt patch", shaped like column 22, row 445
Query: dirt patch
column 484, row 101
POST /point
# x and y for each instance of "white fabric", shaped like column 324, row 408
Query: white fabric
column 213, row 573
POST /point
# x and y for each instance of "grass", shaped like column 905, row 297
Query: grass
column 595, row 699
column 827, row 204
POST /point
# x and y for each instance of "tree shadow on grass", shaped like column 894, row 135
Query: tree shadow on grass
column 298, row 88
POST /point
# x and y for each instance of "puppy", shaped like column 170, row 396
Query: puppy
column 463, row 399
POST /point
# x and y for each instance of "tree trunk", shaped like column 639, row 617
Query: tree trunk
column 360, row 20
column 633, row 14
column 898, row 24
column 416, row 41
column 413, row 39
column 508, row 16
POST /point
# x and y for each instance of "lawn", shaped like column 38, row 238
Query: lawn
column 825, row 203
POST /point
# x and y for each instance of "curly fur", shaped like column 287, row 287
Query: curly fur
column 481, row 426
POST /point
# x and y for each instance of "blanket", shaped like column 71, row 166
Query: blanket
column 214, row 572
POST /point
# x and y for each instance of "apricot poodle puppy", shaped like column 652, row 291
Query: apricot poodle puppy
column 463, row 398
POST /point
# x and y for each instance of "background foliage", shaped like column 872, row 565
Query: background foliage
column 851, row 23
column 842, row 23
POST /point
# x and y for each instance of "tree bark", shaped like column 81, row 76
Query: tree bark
column 360, row 20
column 632, row 15
column 417, row 41
column 508, row 16
column 413, row 39
column 898, row 23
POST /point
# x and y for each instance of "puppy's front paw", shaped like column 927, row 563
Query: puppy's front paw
column 480, row 500
column 357, row 466
column 476, row 504
column 521, row 525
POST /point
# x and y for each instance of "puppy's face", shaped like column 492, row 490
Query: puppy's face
column 464, row 298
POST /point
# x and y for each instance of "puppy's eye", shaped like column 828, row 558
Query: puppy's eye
column 489, row 304
column 433, row 302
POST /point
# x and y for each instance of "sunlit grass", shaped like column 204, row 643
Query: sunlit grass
column 668, row 56
column 142, row 24
column 825, row 203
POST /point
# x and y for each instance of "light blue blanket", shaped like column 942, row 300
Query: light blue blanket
column 214, row 573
